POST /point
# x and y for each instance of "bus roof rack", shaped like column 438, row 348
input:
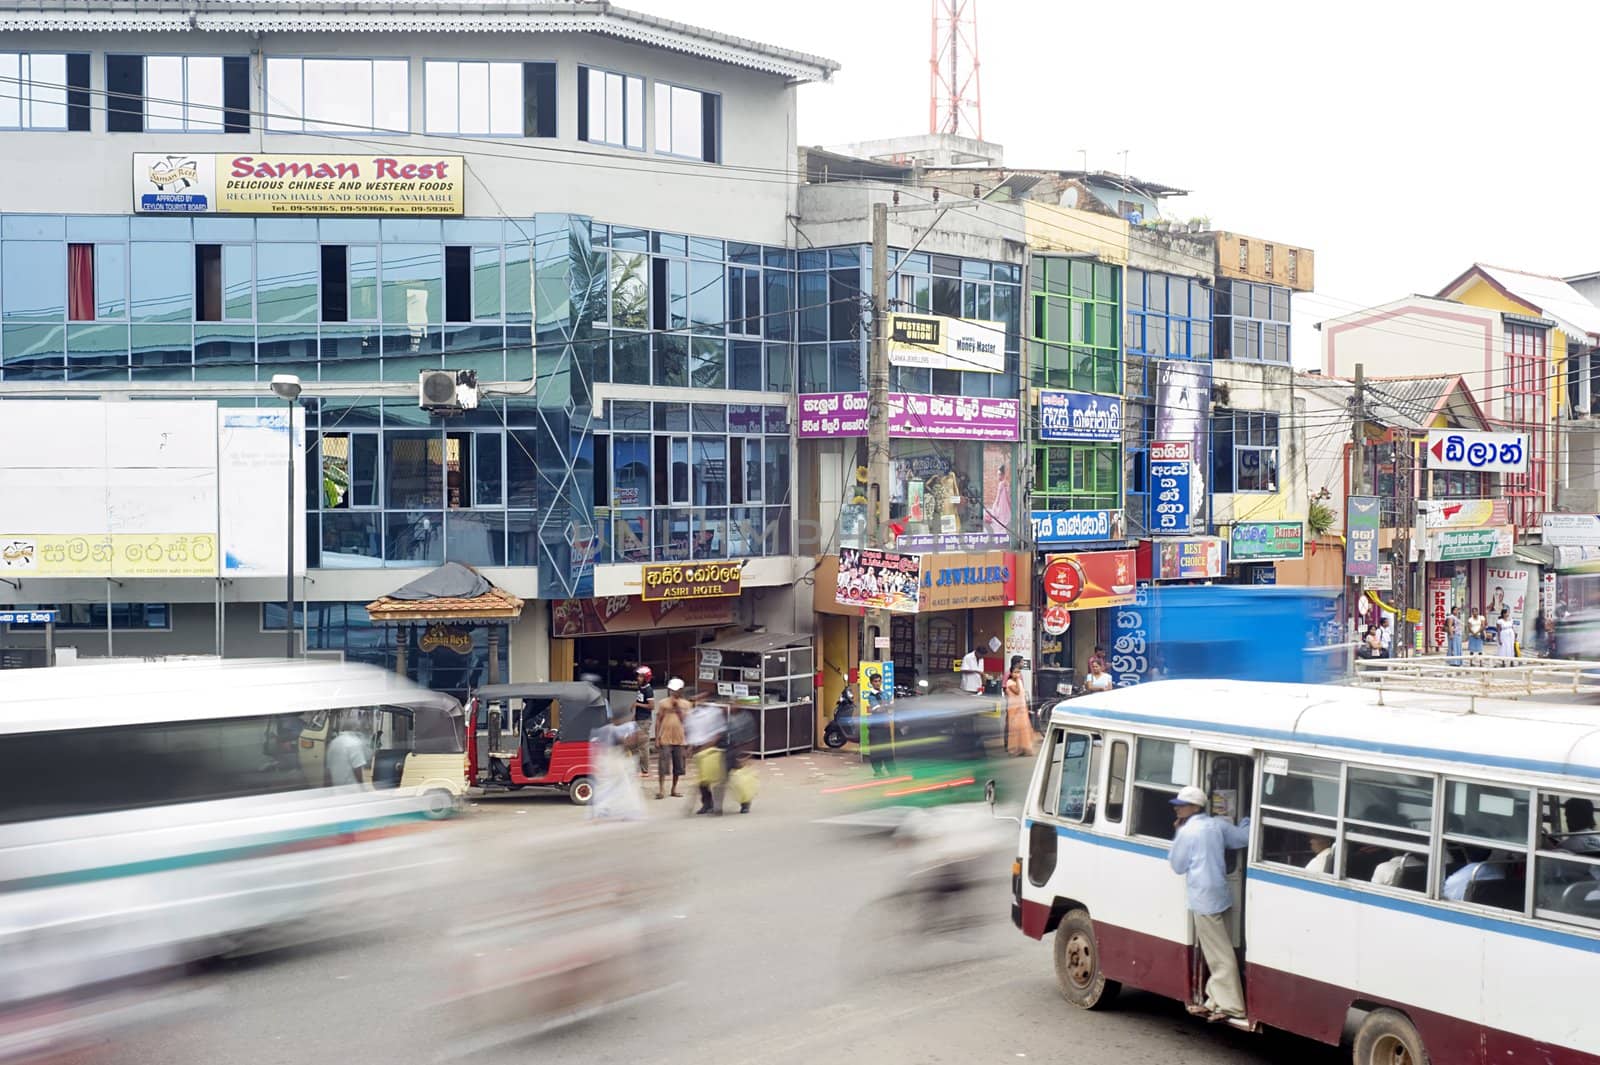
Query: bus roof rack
column 1487, row 678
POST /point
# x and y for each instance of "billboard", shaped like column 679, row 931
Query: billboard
column 912, row 416
column 1188, row 559
column 1079, row 416
column 691, row 580
column 1089, row 579
column 1464, row 449
column 938, row 343
column 1266, row 541
column 298, row 184
column 1570, row 530
column 1172, row 476
column 253, row 448
column 882, row 580
column 1183, row 413
column 1075, row 526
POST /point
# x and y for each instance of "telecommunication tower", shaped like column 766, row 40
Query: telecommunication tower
column 954, row 102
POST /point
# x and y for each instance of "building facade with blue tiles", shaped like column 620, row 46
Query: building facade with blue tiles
column 606, row 247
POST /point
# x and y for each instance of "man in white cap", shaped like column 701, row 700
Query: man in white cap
column 671, row 713
column 1199, row 854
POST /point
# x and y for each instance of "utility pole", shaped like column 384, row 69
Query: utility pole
column 877, row 621
column 1357, row 467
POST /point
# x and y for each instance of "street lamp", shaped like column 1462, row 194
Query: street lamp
column 287, row 387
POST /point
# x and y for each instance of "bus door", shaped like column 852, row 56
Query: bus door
column 1228, row 780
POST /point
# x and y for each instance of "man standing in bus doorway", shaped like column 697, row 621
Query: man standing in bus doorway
column 1199, row 855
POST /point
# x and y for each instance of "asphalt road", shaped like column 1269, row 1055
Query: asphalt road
column 763, row 970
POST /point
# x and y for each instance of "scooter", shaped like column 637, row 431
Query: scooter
column 845, row 726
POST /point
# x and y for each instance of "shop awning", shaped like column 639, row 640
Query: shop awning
column 1538, row 554
column 758, row 642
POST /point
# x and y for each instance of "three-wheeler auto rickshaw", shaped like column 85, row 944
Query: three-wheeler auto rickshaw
column 535, row 736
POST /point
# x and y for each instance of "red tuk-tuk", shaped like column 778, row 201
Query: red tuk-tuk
column 534, row 736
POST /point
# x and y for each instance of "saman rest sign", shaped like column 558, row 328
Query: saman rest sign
column 252, row 183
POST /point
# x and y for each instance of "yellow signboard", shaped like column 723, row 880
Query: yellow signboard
column 692, row 580
column 109, row 555
column 251, row 183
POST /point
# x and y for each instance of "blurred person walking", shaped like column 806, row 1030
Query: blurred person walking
column 704, row 731
column 671, row 714
column 616, row 790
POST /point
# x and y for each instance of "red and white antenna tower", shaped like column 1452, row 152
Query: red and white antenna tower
column 954, row 103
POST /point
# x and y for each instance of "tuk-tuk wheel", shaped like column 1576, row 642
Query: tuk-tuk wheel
column 438, row 804
column 581, row 791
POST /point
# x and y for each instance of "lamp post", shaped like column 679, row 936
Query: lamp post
column 287, row 387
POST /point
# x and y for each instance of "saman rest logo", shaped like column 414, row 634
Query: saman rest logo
column 174, row 173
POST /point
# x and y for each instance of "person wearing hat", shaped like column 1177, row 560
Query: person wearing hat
column 1199, row 855
column 670, row 715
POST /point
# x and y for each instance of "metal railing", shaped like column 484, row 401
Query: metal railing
column 1480, row 677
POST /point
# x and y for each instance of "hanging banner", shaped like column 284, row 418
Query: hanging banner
column 1439, row 610
column 1252, row 541
column 1361, row 517
column 1464, row 449
column 882, row 580
column 1171, row 486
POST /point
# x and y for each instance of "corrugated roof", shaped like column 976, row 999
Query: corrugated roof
column 1573, row 315
column 1399, row 402
column 412, row 16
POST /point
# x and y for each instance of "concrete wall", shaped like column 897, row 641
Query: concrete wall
column 1052, row 228
column 90, row 173
column 841, row 213
column 1325, row 430
column 1255, row 264
column 1172, row 252
column 1263, row 387
column 1421, row 335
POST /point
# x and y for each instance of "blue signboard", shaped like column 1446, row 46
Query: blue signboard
column 1263, row 575
column 1079, row 416
column 1130, row 639
column 27, row 617
column 1076, row 526
column 1171, row 508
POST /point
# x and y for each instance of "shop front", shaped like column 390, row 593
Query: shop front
column 1080, row 597
column 1464, row 566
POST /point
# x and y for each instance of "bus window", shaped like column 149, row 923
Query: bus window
column 1567, row 868
column 1160, row 768
column 1071, row 760
column 1388, row 828
column 1485, row 845
column 1299, row 811
column 1117, row 782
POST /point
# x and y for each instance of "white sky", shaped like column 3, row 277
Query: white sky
column 1401, row 141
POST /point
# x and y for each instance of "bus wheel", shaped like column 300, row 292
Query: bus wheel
column 1387, row 1038
column 581, row 791
column 1078, row 964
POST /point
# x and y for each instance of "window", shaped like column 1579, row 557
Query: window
column 97, row 277
column 349, row 470
column 610, row 108
column 224, row 283
column 1077, row 319
column 349, row 283
column 1117, row 782
column 489, row 99
column 1299, row 812
column 630, row 290
column 1485, row 845
column 338, row 95
column 471, row 283
column 197, row 93
column 1166, row 317
column 473, row 469
column 44, row 90
column 1244, row 254
column 1266, row 255
column 1244, row 455
column 1068, row 781
column 1525, row 405
column 1077, row 476
column 131, row 617
column 1388, row 819
column 687, row 122
column 1160, row 769
column 1567, row 884
column 744, row 300
column 1252, row 322
column 1294, row 266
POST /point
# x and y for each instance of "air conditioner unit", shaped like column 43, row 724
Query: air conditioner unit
column 447, row 391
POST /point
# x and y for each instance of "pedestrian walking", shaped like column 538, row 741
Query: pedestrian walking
column 1199, row 855
column 1019, row 729
column 704, row 731
column 880, row 735
column 616, row 790
column 1385, row 637
column 671, row 714
column 741, row 737
column 1476, row 624
column 1452, row 636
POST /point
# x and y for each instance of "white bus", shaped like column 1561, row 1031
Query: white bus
column 1480, row 940
column 152, row 814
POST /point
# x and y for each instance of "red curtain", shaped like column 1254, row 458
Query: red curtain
column 80, row 282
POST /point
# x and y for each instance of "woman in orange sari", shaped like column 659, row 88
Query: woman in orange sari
column 1019, row 730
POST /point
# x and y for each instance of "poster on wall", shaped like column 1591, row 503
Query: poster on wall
column 1506, row 589
column 253, row 449
column 879, row 580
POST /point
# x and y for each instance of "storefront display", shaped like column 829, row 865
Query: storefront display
column 941, row 488
column 769, row 674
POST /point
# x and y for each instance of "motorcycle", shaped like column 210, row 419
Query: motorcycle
column 845, row 726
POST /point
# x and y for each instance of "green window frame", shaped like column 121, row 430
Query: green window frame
column 1077, row 476
column 1076, row 334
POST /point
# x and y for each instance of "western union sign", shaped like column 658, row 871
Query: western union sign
column 249, row 183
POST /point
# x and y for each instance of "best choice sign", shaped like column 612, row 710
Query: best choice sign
column 203, row 183
column 1262, row 541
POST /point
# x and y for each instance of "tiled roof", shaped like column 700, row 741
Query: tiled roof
column 495, row 604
